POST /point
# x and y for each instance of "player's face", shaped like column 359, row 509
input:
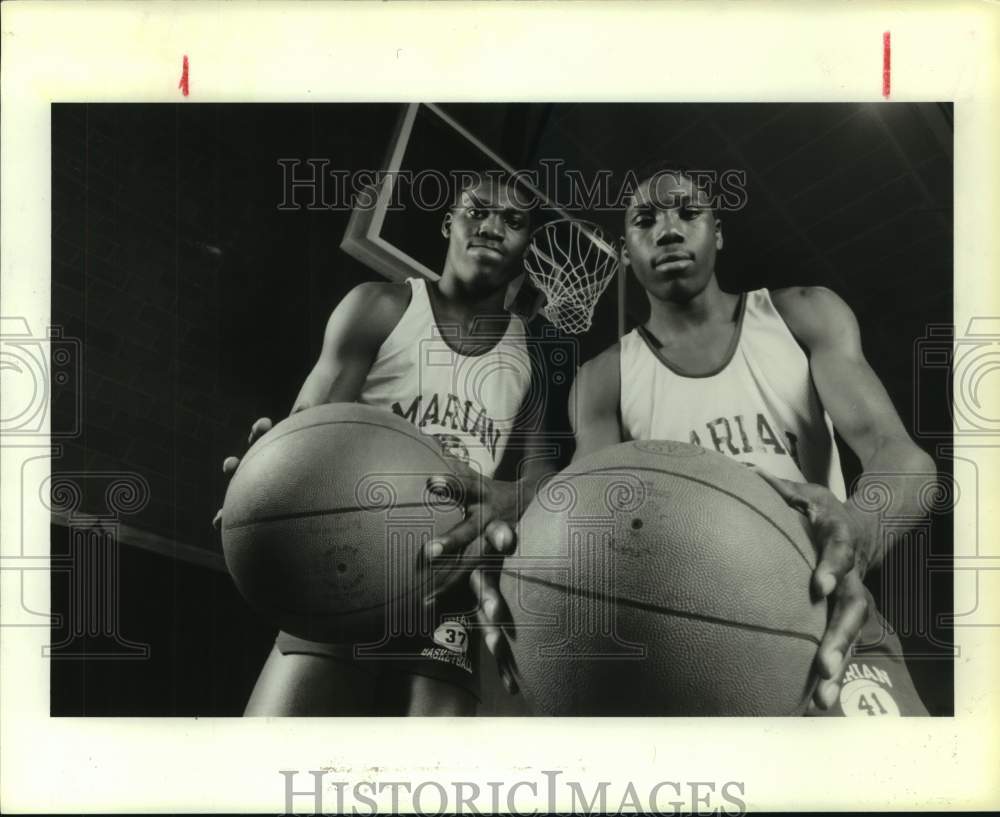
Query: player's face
column 671, row 238
column 487, row 235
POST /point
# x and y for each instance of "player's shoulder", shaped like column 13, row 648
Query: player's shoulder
column 383, row 294
column 377, row 302
column 814, row 313
column 601, row 375
column 607, row 357
column 367, row 314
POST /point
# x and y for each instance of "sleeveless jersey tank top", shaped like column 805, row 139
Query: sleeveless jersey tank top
column 760, row 407
column 468, row 402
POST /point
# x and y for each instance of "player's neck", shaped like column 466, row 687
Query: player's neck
column 472, row 312
column 674, row 317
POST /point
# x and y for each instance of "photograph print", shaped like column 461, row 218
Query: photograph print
column 520, row 409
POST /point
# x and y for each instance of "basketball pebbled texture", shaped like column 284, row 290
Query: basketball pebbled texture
column 659, row 578
column 325, row 518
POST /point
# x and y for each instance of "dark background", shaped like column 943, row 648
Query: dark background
column 200, row 307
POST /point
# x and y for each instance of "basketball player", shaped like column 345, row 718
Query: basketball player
column 763, row 377
column 383, row 346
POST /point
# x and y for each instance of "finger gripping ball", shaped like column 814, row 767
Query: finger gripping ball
column 658, row 578
column 325, row 519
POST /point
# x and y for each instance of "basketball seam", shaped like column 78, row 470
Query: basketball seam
column 266, row 440
column 656, row 608
column 353, row 610
column 738, row 498
column 283, row 517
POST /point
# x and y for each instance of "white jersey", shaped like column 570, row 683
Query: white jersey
column 469, row 402
column 760, row 407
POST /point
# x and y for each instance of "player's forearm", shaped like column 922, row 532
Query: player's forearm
column 895, row 476
column 511, row 498
column 329, row 384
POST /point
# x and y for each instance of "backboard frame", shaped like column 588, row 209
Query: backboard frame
column 363, row 240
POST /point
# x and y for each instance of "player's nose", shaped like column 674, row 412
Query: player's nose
column 667, row 233
column 492, row 227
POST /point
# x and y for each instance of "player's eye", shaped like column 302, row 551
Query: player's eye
column 515, row 221
column 689, row 213
column 642, row 220
column 475, row 213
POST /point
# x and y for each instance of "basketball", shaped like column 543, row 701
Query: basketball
column 325, row 518
column 659, row 578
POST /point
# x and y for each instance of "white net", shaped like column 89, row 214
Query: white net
column 570, row 262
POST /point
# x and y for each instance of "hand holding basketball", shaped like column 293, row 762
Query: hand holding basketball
column 492, row 615
column 839, row 538
column 485, row 534
column 230, row 464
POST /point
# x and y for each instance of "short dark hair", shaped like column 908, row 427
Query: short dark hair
column 663, row 167
column 498, row 176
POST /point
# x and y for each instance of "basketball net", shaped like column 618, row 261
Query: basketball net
column 572, row 264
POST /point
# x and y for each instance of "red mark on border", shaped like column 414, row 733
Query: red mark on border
column 886, row 64
column 183, row 84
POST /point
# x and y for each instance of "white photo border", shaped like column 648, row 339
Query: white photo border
column 543, row 51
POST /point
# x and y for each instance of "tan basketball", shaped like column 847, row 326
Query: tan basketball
column 658, row 578
column 325, row 519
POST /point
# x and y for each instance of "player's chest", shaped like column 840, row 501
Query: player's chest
column 700, row 354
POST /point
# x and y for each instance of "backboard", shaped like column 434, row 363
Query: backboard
column 396, row 226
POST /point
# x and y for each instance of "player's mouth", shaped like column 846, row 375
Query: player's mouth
column 673, row 260
column 492, row 248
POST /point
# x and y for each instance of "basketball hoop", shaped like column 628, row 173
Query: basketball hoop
column 570, row 262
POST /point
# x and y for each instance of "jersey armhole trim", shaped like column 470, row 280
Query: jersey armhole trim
column 621, row 390
column 399, row 321
column 787, row 328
